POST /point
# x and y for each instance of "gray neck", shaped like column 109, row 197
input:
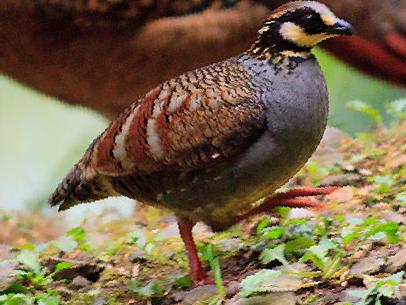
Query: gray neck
column 294, row 93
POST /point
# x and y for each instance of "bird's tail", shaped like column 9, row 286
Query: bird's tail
column 82, row 184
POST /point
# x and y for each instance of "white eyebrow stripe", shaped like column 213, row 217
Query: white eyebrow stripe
column 326, row 14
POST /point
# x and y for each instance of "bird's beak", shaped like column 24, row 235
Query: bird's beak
column 341, row 27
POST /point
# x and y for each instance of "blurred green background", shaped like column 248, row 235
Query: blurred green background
column 41, row 138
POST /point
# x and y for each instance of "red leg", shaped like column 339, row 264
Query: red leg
column 290, row 199
column 197, row 273
column 305, row 192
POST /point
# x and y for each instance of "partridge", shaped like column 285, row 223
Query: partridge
column 211, row 143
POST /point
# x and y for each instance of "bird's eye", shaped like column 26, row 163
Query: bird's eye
column 309, row 20
column 309, row 17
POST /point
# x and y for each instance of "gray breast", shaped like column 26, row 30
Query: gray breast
column 295, row 96
column 296, row 102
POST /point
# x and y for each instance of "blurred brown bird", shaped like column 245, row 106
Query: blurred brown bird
column 210, row 143
column 103, row 54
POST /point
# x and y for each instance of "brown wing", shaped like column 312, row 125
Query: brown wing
column 175, row 129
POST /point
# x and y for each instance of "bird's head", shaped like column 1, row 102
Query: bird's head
column 299, row 26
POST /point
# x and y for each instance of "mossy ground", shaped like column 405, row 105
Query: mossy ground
column 141, row 260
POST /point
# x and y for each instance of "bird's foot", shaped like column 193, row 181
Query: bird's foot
column 295, row 198
column 201, row 279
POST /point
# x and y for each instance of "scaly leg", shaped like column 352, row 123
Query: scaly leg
column 289, row 199
column 305, row 192
column 197, row 272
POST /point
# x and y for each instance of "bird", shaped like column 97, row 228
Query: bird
column 66, row 42
column 215, row 144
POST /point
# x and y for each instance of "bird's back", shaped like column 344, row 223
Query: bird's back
column 191, row 122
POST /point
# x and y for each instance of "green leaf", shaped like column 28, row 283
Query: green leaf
column 30, row 260
column 138, row 238
column 298, row 244
column 319, row 254
column 386, row 291
column 18, row 299
column 152, row 289
column 333, row 265
column 367, row 109
column 214, row 263
column 61, row 266
column 273, row 233
column 180, row 280
column 321, row 250
column 349, row 235
column 391, row 230
column 77, row 234
column 258, row 282
column 50, row 298
column 262, row 225
column 317, row 261
column 384, row 287
column 270, row 255
column 383, row 183
column 394, row 280
column 317, row 172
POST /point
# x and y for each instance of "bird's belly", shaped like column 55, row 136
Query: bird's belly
column 217, row 194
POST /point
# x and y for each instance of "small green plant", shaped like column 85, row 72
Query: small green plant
column 369, row 228
column 144, row 243
column 179, row 280
column 30, row 259
column 386, row 288
column 153, row 289
column 258, row 283
column 276, row 254
column 78, row 235
column 383, row 184
column 317, row 172
column 272, row 233
column 157, row 288
column 211, row 254
column 31, row 278
column 326, row 256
